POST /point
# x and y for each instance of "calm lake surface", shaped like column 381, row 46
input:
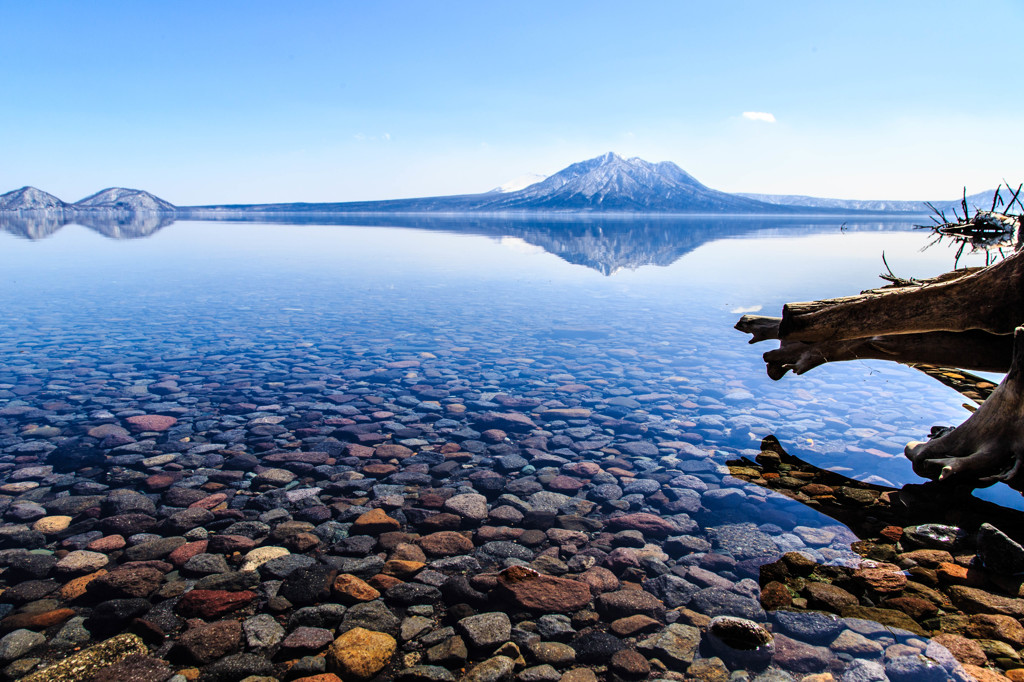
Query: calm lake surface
column 630, row 321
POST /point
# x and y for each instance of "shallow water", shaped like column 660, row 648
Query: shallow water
column 199, row 288
column 632, row 320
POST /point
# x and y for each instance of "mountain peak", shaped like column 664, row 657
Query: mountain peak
column 29, row 199
column 124, row 199
column 612, row 183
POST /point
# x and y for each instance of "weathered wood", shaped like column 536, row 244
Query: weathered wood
column 974, row 350
column 761, row 328
column 989, row 446
column 990, row 299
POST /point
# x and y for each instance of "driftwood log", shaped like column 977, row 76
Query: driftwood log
column 969, row 319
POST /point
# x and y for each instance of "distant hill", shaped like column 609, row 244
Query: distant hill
column 122, row 199
column 111, row 199
column 29, row 199
column 982, row 200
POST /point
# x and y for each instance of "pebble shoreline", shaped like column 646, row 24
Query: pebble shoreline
column 415, row 528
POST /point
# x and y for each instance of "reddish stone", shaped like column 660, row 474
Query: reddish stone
column 392, row 450
column 965, row 650
column 74, row 589
column 492, row 533
column 545, row 593
column 915, row 607
column 374, row 522
column 383, row 582
column 587, row 469
column 108, row 543
column 161, row 481
column 976, row 672
column 351, row 590
column 182, row 554
column 378, row 470
column 631, row 625
column 510, row 421
column 992, row 626
column 360, row 451
column 439, row 522
column 565, row 484
column 445, row 543
column 892, row 533
column 929, row 558
column 209, row 502
column 775, row 596
column 829, row 596
column 494, row 435
column 648, row 524
column 207, row 604
column 881, row 578
column 600, row 579
column 36, row 621
column 151, row 422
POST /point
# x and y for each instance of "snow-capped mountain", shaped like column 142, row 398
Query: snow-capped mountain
column 612, row 183
column 122, row 199
column 29, row 199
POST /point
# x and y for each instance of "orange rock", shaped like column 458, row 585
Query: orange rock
column 881, row 578
column 986, row 674
column 161, row 481
column 374, row 522
column 209, row 502
column 322, row 677
column 74, row 589
column 383, row 582
column 401, row 568
column 36, row 621
column 1015, row 675
column 352, row 589
column 536, row 592
column 379, row 469
column 107, row 544
column 967, row 651
column 955, row 574
column 392, row 450
column 445, row 543
column 182, row 554
column 891, row 533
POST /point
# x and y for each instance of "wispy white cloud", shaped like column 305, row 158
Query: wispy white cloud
column 759, row 116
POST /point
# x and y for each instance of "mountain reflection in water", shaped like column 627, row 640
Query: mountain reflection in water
column 606, row 244
column 36, row 225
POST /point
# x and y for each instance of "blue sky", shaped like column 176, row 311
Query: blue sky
column 210, row 102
